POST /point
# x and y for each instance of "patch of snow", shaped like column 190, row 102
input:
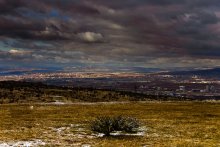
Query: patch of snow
column 118, row 133
column 75, row 125
column 86, row 145
column 32, row 143
column 99, row 135
column 59, row 103
column 4, row 145
column 59, row 130
column 141, row 132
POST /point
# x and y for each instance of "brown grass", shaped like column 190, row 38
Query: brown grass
column 167, row 123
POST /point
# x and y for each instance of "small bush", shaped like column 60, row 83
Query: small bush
column 107, row 124
column 103, row 125
column 126, row 124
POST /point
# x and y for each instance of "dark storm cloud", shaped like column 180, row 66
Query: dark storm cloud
column 9, row 6
column 132, row 32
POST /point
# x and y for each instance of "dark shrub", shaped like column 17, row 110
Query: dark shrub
column 126, row 124
column 103, row 125
column 107, row 125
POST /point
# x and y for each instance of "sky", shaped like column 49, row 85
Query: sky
column 109, row 34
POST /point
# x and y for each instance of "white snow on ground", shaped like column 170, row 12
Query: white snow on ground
column 61, row 129
column 86, row 145
column 83, row 103
column 141, row 132
column 118, row 133
column 99, row 135
column 31, row 143
column 80, row 132
column 58, row 103
column 65, row 132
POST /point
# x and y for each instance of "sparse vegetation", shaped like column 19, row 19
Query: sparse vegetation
column 29, row 92
column 162, row 123
column 126, row 124
column 25, row 92
column 107, row 125
column 103, row 125
column 167, row 123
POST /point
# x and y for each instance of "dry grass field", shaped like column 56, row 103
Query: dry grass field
column 168, row 124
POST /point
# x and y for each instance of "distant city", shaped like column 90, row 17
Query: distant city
column 161, row 84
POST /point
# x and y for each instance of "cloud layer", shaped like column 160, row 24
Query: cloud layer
column 135, row 33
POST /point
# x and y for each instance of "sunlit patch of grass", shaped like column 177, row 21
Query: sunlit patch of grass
column 166, row 123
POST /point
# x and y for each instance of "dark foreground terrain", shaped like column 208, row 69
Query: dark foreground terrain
column 29, row 92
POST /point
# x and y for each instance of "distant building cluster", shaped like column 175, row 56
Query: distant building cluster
column 149, row 84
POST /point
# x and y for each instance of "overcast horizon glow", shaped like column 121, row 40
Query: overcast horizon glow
column 110, row 34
